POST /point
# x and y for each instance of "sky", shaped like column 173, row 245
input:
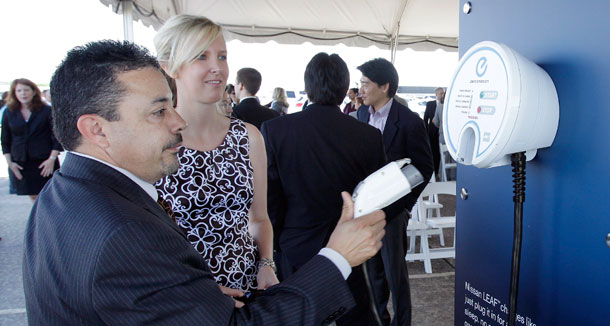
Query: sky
column 38, row 33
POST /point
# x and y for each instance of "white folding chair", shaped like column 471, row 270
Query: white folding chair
column 431, row 203
column 447, row 163
column 423, row 225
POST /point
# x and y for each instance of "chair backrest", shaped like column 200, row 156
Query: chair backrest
column 443, row 161
column 439, row 188
column 433, row 189
column 443, row 149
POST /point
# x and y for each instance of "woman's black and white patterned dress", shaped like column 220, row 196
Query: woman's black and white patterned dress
column 210, row 196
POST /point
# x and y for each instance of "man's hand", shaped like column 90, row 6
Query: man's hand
column 16, row 169
column 233, row 293
column 357, row 239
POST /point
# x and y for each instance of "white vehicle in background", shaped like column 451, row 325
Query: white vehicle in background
column 296, row 99
column 418, row 105
column 417, row 97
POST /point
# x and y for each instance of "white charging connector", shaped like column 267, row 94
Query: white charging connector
column 385, row 186
column 380, row 189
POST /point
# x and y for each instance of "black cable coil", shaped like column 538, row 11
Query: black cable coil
column 518, row 164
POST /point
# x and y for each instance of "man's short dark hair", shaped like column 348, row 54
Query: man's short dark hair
column 326, row 79
column 230, row 89
column 250, row 78
column 86, row 83
column 381, row 71
column 355, row 90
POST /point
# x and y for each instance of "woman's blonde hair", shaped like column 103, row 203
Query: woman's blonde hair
column 182, row 39
column 279, row 95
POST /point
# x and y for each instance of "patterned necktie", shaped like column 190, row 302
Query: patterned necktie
column 166, row 208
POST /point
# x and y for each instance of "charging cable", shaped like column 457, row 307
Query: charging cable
column 365, row 271
column 518, row 164
column 380, row 189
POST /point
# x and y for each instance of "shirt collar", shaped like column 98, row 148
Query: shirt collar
column 247, row 97
column 384, row 111
column 149, row 188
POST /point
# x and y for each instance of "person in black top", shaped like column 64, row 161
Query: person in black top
column 28, row 143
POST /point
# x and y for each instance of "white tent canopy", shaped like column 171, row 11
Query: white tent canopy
column 398, row 24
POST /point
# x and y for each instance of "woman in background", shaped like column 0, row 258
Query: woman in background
column 219, row 194
column 352, row 106
column 280, row 102
column 28, row 143
column 225, row 105
column 230, row 90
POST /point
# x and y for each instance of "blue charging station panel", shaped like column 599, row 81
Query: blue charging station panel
column 565, row 261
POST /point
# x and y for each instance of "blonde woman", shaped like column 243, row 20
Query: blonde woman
column 218, row 196
column 280, row 102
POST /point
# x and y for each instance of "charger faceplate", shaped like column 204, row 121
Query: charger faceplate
column 498, row 103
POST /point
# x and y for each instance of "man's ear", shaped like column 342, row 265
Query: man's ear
column 385, row 88
column 91, row 127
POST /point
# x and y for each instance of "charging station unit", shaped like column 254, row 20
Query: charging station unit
column 498, row 103
column 499, row 109
column 565, row 255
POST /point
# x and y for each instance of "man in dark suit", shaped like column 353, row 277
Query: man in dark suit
column 404, row 135
column 313, row 155
column 431, row 129
column 247, row 84
column 98, row 248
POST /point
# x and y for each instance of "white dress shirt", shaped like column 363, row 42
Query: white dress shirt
column 378, row 118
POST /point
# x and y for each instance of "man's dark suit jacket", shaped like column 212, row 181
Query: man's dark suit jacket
column 429, row 114
column 404, row 136
column 312, row 156
column 100, row 251
column 249, row 110
column 432, row 133
column 32, row 140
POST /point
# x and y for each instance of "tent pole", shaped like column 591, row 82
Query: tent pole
column 396, row 29
column 394, row 44
column 127, row 20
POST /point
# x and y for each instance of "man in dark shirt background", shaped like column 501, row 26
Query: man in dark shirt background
column 247, row 84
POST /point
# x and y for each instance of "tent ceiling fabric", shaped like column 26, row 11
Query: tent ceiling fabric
column 422, row 25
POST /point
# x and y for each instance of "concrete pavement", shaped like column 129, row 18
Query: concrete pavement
column 14, row 212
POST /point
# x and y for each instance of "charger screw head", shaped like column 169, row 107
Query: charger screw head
column 464, row 194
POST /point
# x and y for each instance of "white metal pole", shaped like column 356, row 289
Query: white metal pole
column 127, row 20
column 394, row 44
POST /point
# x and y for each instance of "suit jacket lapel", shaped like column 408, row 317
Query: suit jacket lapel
column 84, row 168
column 390, row 126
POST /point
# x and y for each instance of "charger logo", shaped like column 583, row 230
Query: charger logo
column 481, row 66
